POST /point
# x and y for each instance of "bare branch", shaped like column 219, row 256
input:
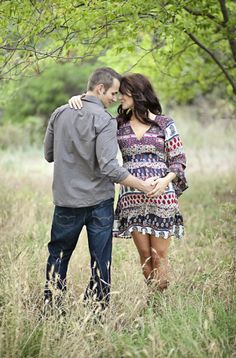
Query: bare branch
column 224, row 11
column 140, row 59
column 21, row 66
column 199, row 13
column 215, row 59
column 231, row 33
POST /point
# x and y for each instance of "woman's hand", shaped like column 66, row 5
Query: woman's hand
column 75, row 101
column 160, row 184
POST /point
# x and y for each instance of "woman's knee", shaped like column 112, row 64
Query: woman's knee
column 145, row 256
column 158, row 254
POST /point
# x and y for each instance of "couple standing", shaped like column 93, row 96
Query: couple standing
column 83, row 146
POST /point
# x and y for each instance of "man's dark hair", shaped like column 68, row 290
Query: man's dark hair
column 103, row 75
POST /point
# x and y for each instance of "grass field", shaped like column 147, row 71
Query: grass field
column 196, row 317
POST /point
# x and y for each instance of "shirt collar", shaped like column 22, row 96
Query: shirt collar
column 92, row 99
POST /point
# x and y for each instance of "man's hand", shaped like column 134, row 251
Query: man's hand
column 158, row 187
column 160, row 184
column 148, row 185
column 75, row 102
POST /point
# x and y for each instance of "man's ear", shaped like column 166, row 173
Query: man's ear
column 100, row 89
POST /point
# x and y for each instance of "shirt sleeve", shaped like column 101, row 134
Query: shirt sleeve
column 106, row 152
column 49, row 139
column 176, row 159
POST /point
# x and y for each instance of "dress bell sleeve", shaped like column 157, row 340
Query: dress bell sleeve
column 176, row 159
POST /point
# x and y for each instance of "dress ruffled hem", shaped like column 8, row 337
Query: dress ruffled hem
column 177, row 231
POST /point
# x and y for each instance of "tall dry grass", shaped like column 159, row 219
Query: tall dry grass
column 196, row 317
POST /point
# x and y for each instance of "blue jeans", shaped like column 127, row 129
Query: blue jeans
column 66, row 227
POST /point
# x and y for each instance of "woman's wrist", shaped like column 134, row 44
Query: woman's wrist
column 169, row 177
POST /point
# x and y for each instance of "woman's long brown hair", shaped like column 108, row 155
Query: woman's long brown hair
column 140, row 89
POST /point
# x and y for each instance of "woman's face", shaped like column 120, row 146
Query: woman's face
column 126, row 101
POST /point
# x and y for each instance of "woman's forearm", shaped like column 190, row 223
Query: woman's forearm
column 169, row 177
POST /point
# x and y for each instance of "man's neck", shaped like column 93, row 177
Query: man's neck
column 94, row 94
column 91, row 93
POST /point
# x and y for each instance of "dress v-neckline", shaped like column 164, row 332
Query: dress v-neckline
column 142, row 134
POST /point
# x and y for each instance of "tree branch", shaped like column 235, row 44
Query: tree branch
column 215, row 59
column 224, row 11
column 199, row 13
column 231, row 33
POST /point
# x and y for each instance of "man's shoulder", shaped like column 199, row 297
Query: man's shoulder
column 104, row 120
column 102, row 116
column 108, row 116
column 59, row 110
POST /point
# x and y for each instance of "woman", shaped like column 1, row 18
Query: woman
column 150, row 147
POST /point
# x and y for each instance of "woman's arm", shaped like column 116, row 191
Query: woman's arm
column 176, row 159
column 161, row 184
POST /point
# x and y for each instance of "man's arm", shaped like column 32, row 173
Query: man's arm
column 49, row 136
column 48, row 142
column 145, row 186
column 106, row 151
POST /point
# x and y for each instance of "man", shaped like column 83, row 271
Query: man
column 83, row 146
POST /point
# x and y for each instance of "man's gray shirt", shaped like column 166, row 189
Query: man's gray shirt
column 83, row 145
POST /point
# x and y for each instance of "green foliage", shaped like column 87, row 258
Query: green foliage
column 26, row 107
column 187, row 47
column 39, row 96
column 22, row 135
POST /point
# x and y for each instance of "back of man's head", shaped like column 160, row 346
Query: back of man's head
column 102, row 75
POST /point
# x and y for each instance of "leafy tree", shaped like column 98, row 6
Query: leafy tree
column 39, row 96
column 191, row 45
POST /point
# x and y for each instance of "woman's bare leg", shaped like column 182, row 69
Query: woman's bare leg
column 159, row 253
column 143, row 244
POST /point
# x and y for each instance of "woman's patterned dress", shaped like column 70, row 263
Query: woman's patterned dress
column 157, row 153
